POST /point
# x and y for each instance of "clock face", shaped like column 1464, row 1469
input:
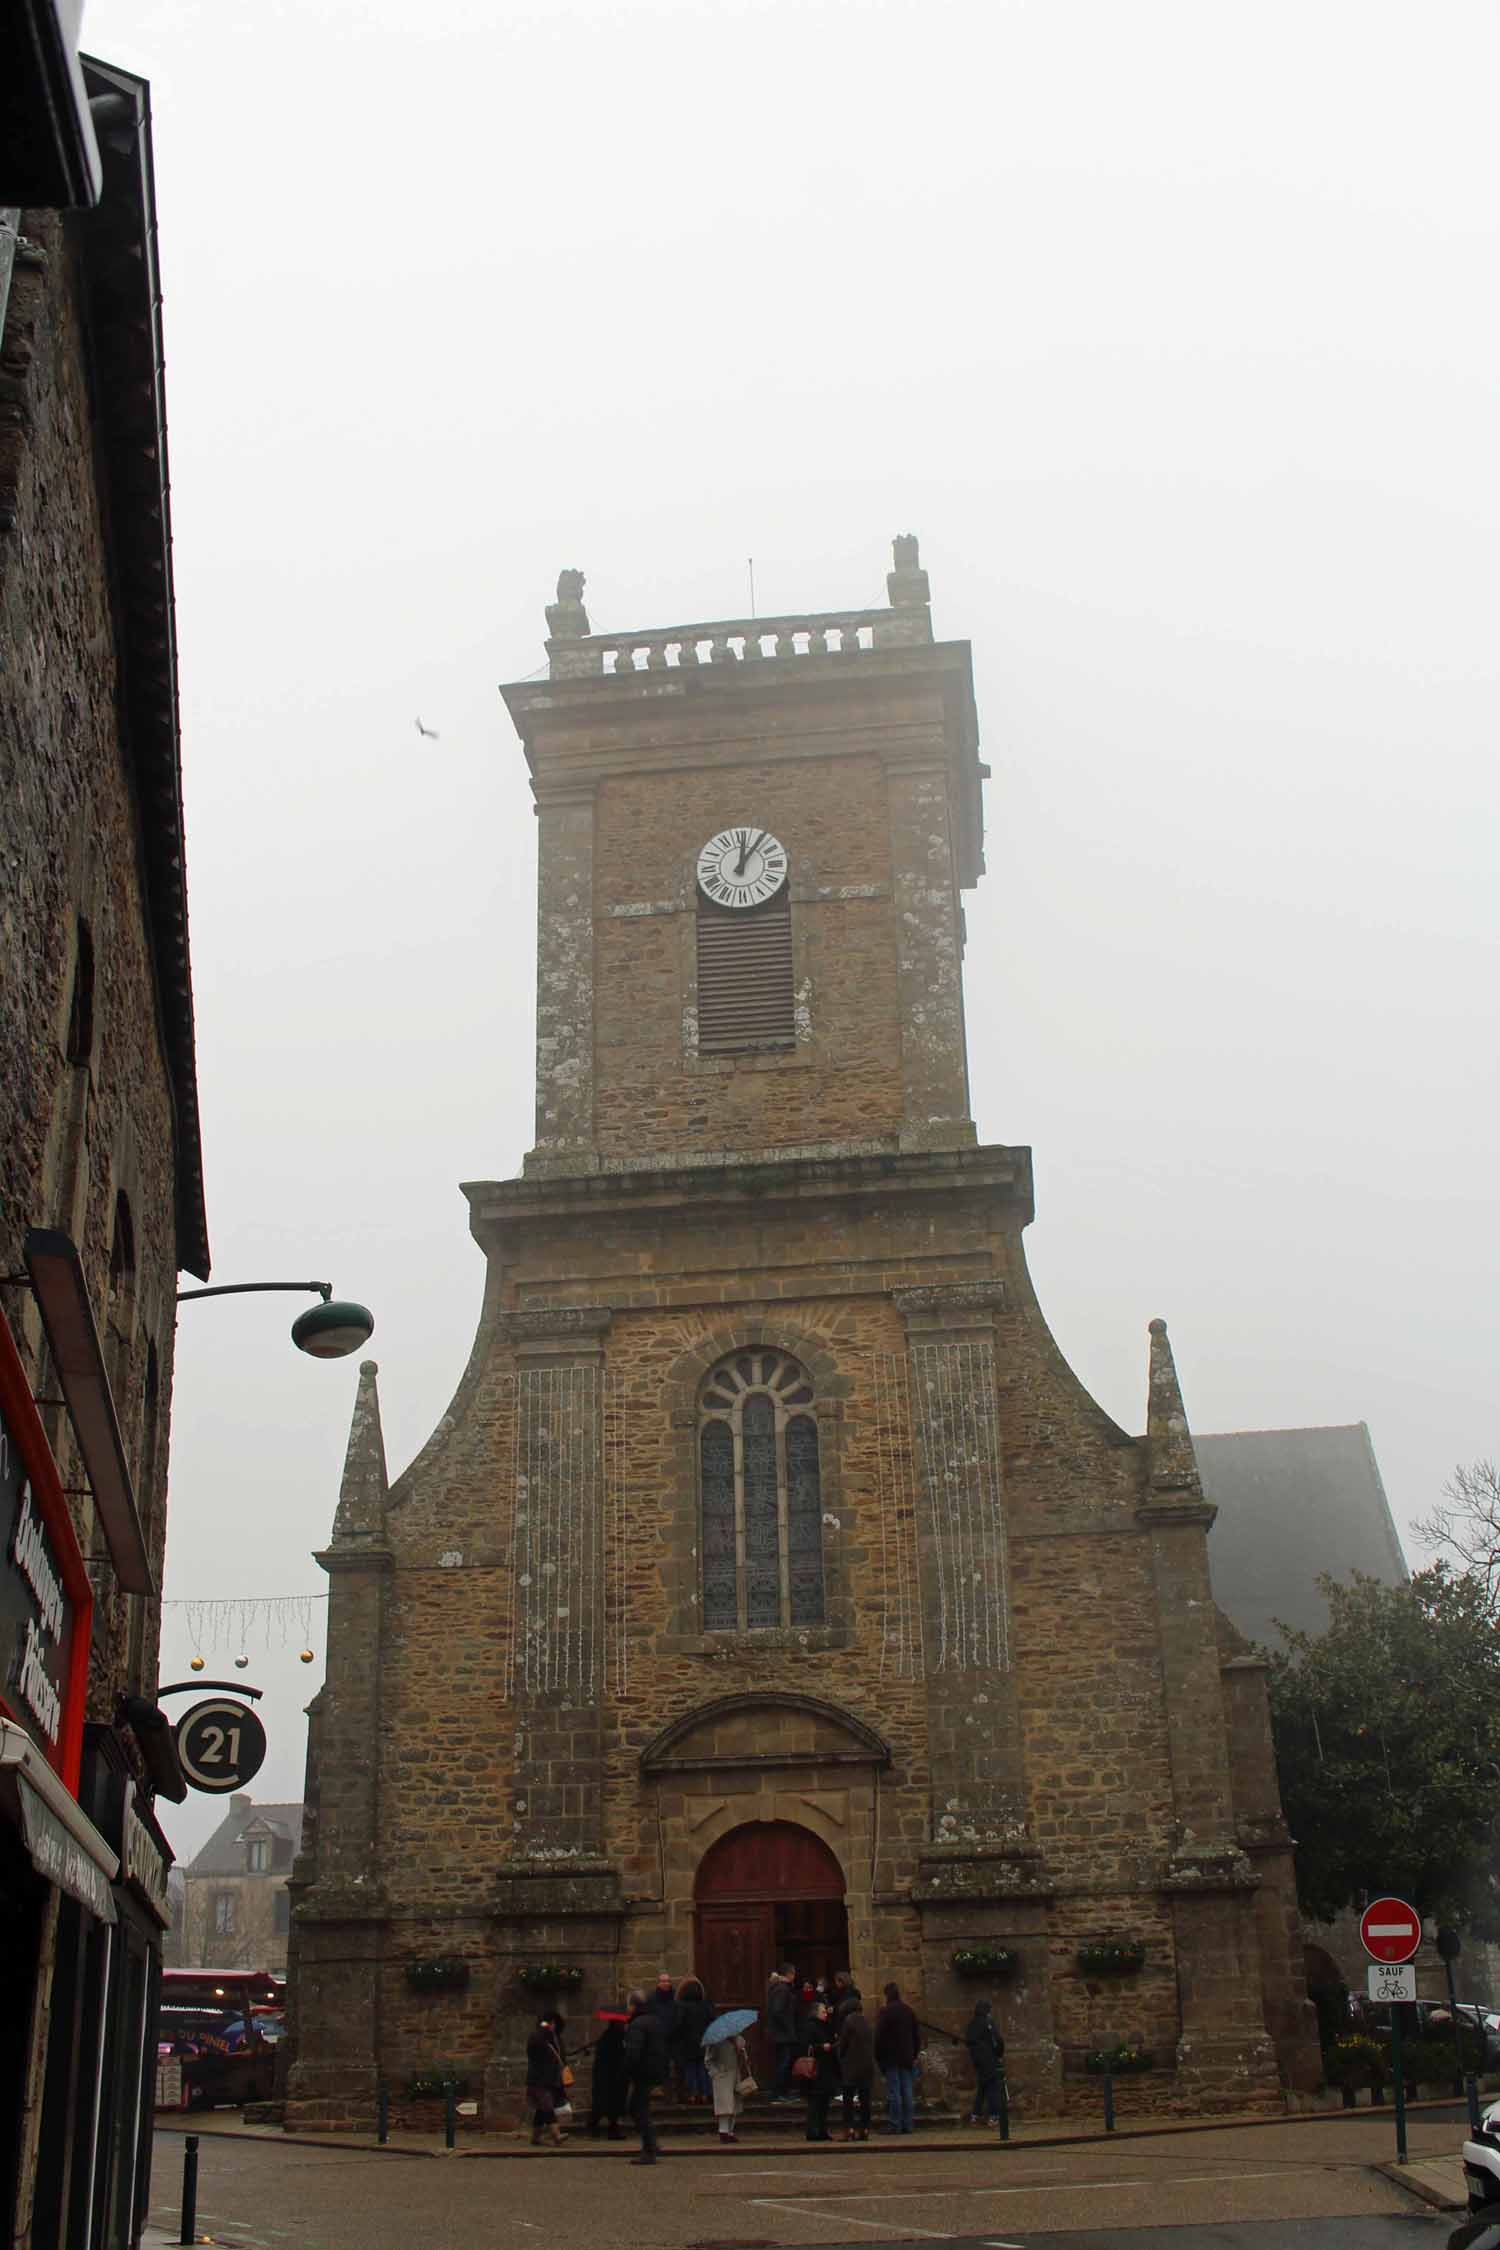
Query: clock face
column 741, row 867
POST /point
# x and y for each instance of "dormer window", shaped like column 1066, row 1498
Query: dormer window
column 258, row 1855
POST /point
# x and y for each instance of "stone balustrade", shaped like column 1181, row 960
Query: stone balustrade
column 730, row 641
column 574, row 653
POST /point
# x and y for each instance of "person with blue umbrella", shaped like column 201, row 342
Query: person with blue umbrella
column 728, row 2063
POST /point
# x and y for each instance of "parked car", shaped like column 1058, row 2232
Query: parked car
column 1482, row 2164
column 1486, row 2020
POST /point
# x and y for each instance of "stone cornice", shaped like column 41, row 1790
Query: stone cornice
column 587, row 1190
column 337, row 1560
column 553, row 1332
column 1220, row 1869
column 1154, row 1514
column 978, row 1872
column 958, row 1307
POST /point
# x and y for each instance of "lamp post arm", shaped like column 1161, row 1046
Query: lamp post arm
column 323, row 1289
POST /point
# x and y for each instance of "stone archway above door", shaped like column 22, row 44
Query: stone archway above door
column 763, row 1732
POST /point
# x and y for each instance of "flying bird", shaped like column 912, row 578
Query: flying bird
column 430, row 732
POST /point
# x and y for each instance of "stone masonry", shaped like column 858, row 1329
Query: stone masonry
column 1010, row 1709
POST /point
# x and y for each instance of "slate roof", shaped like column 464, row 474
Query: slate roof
column 1293, row 1504
column 224, row 1854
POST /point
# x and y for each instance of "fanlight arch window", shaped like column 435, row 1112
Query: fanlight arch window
column 760, row 1495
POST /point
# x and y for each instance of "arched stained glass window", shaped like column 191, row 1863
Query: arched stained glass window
column 760, row 1496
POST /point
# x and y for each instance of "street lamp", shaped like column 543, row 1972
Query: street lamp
column 331, row 1330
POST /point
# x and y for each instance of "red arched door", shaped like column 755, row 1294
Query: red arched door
column 768, row 1893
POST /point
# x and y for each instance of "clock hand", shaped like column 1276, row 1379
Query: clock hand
column 745, row 851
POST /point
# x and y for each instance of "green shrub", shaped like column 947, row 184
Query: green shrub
column 1356, row 2060
column 1430, row 2061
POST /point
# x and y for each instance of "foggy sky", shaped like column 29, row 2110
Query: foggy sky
column 1170, row 329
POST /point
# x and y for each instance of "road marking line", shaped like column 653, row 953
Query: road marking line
column 1005, row 2246
column 1153, row 2180
column 846, row 2219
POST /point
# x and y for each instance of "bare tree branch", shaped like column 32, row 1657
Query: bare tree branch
column 1467, row 1527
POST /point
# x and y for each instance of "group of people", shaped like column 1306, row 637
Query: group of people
column 823, row 2043
column 821, row 2035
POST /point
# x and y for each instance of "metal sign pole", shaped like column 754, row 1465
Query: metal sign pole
column 1398, row 2074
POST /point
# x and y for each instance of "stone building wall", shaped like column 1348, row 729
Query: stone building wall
column 78, row 1134
column 258, row 1937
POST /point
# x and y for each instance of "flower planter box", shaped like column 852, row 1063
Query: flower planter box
column 1111, row 1957
column 992, row 1962
column 549, row 1976
column 438, row 1976
column 1118, row 2062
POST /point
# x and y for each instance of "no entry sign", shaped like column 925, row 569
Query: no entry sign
column 1390, row 1930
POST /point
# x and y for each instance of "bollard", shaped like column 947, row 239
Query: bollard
column 188, row 2232
column 450, row 2112
column 1471, row 2088
column 382, row 2113
column 1109, row 2101
column 1004, row 2117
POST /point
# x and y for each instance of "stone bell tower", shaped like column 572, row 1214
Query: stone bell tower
column 862, row 773
column 772, row 1589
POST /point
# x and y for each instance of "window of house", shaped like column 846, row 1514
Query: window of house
column 281, row 1913
column 258, row 1855
column 81, row 1005
column 225, row 1904
column 119, row 1324
column 746, row 999
column 760, row 1495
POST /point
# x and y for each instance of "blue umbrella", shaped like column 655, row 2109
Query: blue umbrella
column 730, row 2025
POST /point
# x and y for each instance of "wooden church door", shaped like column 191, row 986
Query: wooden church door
column 767, row 1893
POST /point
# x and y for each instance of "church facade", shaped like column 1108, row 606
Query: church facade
column 772, row 1590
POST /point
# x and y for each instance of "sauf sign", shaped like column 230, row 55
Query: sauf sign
column 44, row 1592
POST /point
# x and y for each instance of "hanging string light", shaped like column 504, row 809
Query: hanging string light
column 236, row 1621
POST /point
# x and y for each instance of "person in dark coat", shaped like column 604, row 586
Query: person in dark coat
column 663, row 2003
column 823, row 2085
column 846, row 1997
column 690, row 2020
column 646, row 2066
column 610, row 2094
column 781, row 2029
column 986, row 2048
column 854, row 2041
column 896, row 2043
column 544, row 2082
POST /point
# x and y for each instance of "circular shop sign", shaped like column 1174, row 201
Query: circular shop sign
column 221, row 1745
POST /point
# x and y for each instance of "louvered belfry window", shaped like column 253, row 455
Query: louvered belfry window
column 760, row 1493
column 745, row 977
